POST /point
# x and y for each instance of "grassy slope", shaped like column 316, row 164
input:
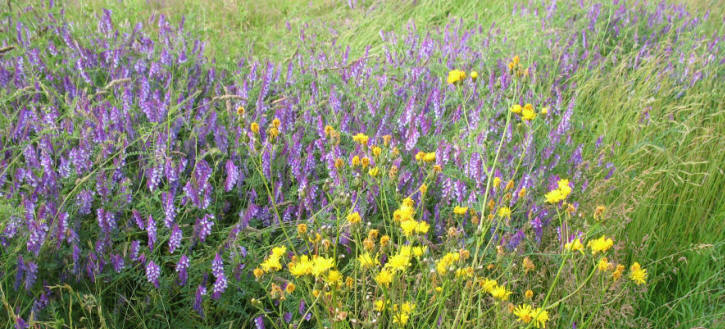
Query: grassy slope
column 667, row 195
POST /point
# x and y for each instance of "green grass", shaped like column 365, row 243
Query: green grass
column 667, row 195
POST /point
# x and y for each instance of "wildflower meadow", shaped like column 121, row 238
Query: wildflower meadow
column 362, row 164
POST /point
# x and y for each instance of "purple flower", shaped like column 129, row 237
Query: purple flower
column 175, row 238
column 203, row 226
column 117, row 262
column 151, row 230
column 232, row 176
column 199, row 299
column 153, row 272
column 181, row 268
column 220, row 283
column 259, row 322
column 167, row 198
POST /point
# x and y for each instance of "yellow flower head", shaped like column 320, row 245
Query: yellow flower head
column 301, row 228
column 422, row 227
column 240, row 110
column 455, row 76
column 361, row 138
column 399, row 262
column 446, row 262
column 276, row 123
column 334, row 278
column 379, row 305
column 540, row 317
column 366, row 260
column 320, row 265
column 429, row 157
column 516, row 108
column 474, row 75
column 544, row 110
column 496, row 182
column 504, row 212
column 528, row 113
column 419, row 251
column 408, row 227
column 258, row 272
column 374, row 171
column 488, row 285
column 353, row 218
column 254, row 127
column 637, row 274
column 524, row 313
column 458, row 210
column 329, row 130
column 423, row 188
column 500, row 292
column 290, row 288
column 618, row 271
column 600, row 245
column 575, row 245
column 355, row 161
column 377, row 151
column 384, row 278
column 529, row 294
column 300, row 267
column 603, row 264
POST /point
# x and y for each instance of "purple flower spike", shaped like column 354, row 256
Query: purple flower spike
column 153, row 272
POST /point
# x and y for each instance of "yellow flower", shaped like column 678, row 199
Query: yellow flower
column 419, row 251
column 429, row 157
column 544, row 110
column 407, row 307
column 554, row 196
column 278, row 251
column 329, row 130
column 524, row 313
column 379, row 305
column 516, row 108
column 302, row 266
column 599, row 212
column 384, row 240
column 399, row 262
column 509, row 185
column 355, row 161
column 528, row 113
column 366, row 260
column 374, row 171
column 617, row 272
column 474, row 75
column 529, row 294
column 365, row 162
column 301, row 228
column 276, row 123
column 575, row 245
column 528, row 265
column 500, row 292
column 422, row 227
column 339, row 163
column 600, row 245
column 489, row 284
column 384, row 278
column 423, row 188
column 321, row 264
column 446, row 261
column 254, row 127
column 419, row 156
column 496, row 182
column 258, row 272
column 540, row 317
column 408, row 227
column 334, row 278
column 290, row 288
column 522, row 193
column 353, row 218
column 271, row 264
column 361, row 138
column 504, row 212
column 458, row 210
column 401, row 318
column 240, row 110
column 455, row 76
column 386, row 139
column 637, row 274
column 603, row 265
column 377, row 150
column 564, row 187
